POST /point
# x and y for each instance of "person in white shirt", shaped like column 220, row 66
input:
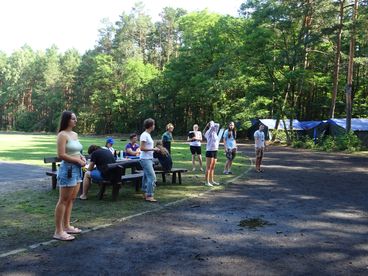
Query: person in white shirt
column 230, row 147
column 195, row 139
column 109, row 142
column 146, row 156
column 259, row 139
column 210, row 133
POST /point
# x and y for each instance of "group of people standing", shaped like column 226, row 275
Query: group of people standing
column 213, row 140
column 70, row 176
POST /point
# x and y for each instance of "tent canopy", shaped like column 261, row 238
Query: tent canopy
column 356, row 124
column 271, row 124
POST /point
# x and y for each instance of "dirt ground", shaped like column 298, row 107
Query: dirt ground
column 315, row 206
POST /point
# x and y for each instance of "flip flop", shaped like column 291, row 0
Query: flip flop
column 150, row 199
column 73, row 230
column 64, row 237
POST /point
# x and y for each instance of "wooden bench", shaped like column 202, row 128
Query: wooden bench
column 176, row 173
column 136, row 178
column 53, row 172
column 54, row 165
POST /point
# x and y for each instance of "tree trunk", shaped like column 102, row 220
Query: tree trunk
column 337, row 61
column 349, row 85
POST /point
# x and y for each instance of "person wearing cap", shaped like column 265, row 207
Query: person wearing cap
column 132, row 148
column 108, row 145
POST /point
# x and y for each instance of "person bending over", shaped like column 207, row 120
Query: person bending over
column 100, row 157
column 163, row 157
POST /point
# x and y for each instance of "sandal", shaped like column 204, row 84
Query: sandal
column 151, row 199
column 83, row 197
column 73, row 230
column 63, row 237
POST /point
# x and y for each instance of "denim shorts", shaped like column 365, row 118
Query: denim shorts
column 96, row 175
column 64, row 180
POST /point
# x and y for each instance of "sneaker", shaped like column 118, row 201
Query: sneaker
column 208, row 184
column 229, row 172
column 215, row 183
column 193, row 170
column 201, row 169
column 226, row 172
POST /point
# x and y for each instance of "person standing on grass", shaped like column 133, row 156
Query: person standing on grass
column 147, row 149
column 259, row 143
column 69, row 176
column 210, row 133
column 230, row 147
column 167, row 137
column 195, row 138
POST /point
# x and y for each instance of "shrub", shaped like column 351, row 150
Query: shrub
column 347, row 142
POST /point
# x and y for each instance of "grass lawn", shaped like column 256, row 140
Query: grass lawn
column 27, row 216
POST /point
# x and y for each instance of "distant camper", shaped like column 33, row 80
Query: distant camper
column 167, row 137
column 195, row 139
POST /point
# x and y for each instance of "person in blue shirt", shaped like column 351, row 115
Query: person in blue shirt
column 229, row 139
column 132, row 148
column 167, row 137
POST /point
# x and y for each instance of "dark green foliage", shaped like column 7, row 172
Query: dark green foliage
column 276, row 60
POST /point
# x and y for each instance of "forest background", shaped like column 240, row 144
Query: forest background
column 277, row 59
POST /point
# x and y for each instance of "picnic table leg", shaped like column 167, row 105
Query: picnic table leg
column 163, row 177
column 115, row 191
column 102, row 191
column 179, row 174
column 173, row 178
column 138, row 183
column 53, row 179
column 80, row 189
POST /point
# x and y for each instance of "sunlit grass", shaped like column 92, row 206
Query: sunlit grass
column 27, row 216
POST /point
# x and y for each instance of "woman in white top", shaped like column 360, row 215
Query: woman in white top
column 195, row 138
column 69, row 175
column 146, row 156
column 210, row 133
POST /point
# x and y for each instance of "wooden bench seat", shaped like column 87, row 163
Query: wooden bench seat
column 136, row 178
column 176, row 173
column 55, row 162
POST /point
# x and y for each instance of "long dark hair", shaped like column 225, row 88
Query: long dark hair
column 64, row 120
column 231, row 131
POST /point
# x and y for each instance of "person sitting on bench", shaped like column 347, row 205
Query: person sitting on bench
column 99, row 157
column 132, row 149
column 163, row 157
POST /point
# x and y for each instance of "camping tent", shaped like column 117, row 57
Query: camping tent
column 359, row 126
column 270, row 124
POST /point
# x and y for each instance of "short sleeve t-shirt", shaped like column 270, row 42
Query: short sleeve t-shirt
column 167, row 137
column 230, row 141
column 146, row 137
column 101, row 158
column 197, row 135
column 132, row 147
column 261, row 139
